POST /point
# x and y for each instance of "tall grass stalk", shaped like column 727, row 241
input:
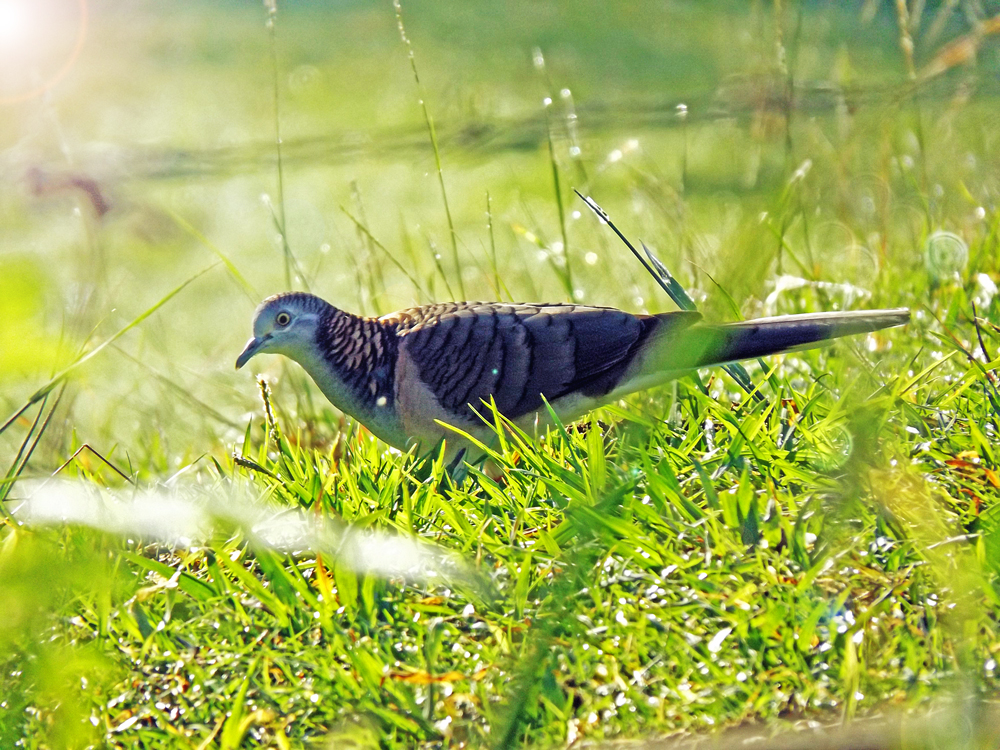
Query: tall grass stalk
column 429, row 121
column 374, row 275
column 248, row 289
column 907, row 47
column 27, row 447
column 392, row 259
column 498, row 283
column 557, row 189
column 436, row 260
column 280, row 217
column 560, row 262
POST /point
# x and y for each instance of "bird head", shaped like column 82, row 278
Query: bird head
column 285, row 324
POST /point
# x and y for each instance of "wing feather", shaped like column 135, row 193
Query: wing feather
column 517, row 354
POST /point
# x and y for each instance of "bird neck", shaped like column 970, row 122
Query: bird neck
column 354, row 364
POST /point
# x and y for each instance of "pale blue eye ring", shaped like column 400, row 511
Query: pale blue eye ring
column 282, row 319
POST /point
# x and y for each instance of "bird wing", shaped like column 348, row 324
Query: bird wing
column 467, row 353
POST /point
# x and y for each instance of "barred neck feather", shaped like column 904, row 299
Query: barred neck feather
column 362, row 352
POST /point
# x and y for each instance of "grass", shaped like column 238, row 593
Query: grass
column 217, row 565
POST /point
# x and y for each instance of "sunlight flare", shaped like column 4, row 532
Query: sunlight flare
column 16, row 24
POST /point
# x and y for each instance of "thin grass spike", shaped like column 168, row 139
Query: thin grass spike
column 429, row 121
column 59, row 377
column 672, row 287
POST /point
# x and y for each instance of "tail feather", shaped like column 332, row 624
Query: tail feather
column 729, row 342
column 680, row 349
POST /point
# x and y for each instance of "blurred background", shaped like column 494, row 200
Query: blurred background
column 764, row 150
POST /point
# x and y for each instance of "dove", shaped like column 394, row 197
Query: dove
column 407, row 375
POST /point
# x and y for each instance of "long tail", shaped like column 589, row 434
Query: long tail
column 729, row 342
column 683, row 344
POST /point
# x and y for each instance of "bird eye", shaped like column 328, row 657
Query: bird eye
column 282, row 319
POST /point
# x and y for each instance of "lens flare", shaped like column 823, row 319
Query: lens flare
column 15, row 24
column 31, row 37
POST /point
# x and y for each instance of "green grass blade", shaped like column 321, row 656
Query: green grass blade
column 42, row 392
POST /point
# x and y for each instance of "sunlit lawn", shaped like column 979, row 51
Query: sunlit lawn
column 687, row 561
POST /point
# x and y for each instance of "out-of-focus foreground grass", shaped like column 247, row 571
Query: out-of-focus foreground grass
column 692, row 559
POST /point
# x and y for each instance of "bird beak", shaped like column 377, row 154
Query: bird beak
column 253, row 346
